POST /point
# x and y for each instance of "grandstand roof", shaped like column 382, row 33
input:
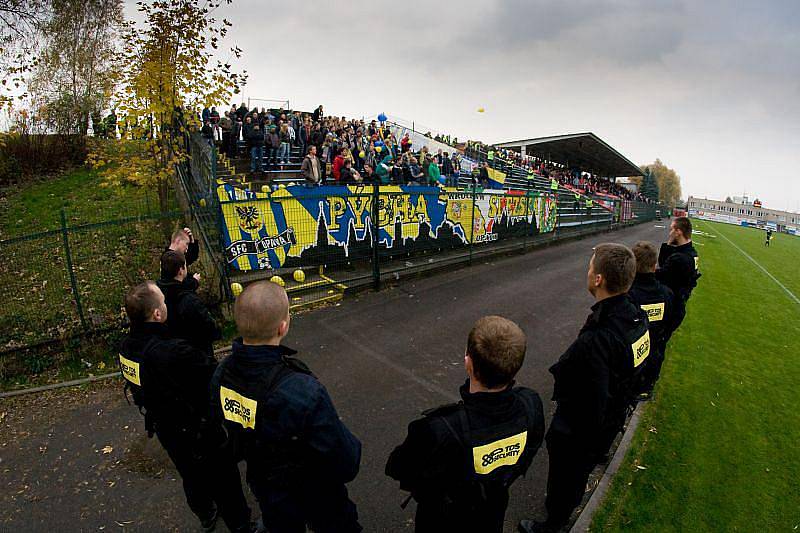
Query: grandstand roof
column 584, row 150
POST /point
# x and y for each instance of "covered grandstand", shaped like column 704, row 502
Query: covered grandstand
column 582, row 151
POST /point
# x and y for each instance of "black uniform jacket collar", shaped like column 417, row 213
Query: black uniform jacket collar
column 486, row 400
column 260, row 353
column 150, row 329
column 645, row 279
column 175, row 287
column 607, row 307
column 681, row 249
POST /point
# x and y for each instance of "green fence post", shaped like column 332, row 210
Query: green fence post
column 214, row 164
column 376, row 269
column 472, row 224
column 528, row 225
column 73, row 282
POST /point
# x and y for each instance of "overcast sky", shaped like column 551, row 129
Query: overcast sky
column 711, row 88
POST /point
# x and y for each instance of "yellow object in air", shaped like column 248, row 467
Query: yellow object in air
column 481, row 110
column 299, row 276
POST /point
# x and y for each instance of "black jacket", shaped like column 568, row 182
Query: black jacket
column 192, row 252
column 298, row 451
column 659, row 303
column 595, row 379
column 255, row 137
column 678, row 269
column 188, row 317
column 173, row 377
column 437, row 461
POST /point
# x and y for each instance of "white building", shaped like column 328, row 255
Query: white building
column 744, row 214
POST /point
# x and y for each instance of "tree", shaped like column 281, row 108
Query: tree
column 728, row 200
column 74, row 76
column 167, row 65
column 19, row 20
column 649, row 187
column 667, row 182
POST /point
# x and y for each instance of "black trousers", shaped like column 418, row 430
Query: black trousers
column 571, row 463
column 324, row 508
column 209, row 477
column 652, row 369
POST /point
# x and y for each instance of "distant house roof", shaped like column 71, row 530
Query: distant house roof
column 586, row 151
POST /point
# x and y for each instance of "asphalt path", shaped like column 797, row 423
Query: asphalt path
column 79, row 460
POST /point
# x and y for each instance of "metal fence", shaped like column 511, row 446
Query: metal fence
column 67, row 282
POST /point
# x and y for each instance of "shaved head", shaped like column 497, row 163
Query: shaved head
column 261, row 311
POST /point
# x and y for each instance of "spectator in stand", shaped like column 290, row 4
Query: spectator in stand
column 405, row 144
column 447, row 167
column 417, row 177
column 206, row 115
column 369, row 174
column 348, row 175
column 247, row 126
column 208, row 132
column 456, row 162
column 383, row 171
column 305, row 135
column 310, row 169
column 273, row 142
column 317, row 137
column 215, row 123
column 338, row 163
column 236, row 133
column 433, row 172
column 241, row 113
column 318, row 114
column 286, row 142
column 483, row 176
column 255, row 141
column 225, row 125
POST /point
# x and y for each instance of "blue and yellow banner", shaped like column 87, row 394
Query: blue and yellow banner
column 268, row 231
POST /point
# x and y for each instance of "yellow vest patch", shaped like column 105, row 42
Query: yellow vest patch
column 238, row 408
column 641, row 349
column 499, row 453
column 655, row 312
column 696, row 262
column 130, row 370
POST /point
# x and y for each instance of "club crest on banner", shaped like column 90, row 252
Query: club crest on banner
column 249, row 218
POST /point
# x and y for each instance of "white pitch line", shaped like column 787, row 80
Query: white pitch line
column 756, row 263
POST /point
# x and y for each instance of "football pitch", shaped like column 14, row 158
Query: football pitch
column 717, row 449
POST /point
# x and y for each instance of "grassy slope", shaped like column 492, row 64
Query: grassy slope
column 35, row 207
column 719, row 444
column 37, row 303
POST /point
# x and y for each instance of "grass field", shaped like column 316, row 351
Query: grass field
column 717, row 450
column 38, row 304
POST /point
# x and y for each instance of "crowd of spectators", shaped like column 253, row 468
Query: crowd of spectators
column 357, row 151
column 344, row 150
column 583, row 182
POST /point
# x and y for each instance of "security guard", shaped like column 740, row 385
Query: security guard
column 183, row 241
column 553, row 185
column 282, row 422
column 189, row 317
column 678, row 264
column 169, row 382
column 594, row 384
column 658, row 302
column 459, row 460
